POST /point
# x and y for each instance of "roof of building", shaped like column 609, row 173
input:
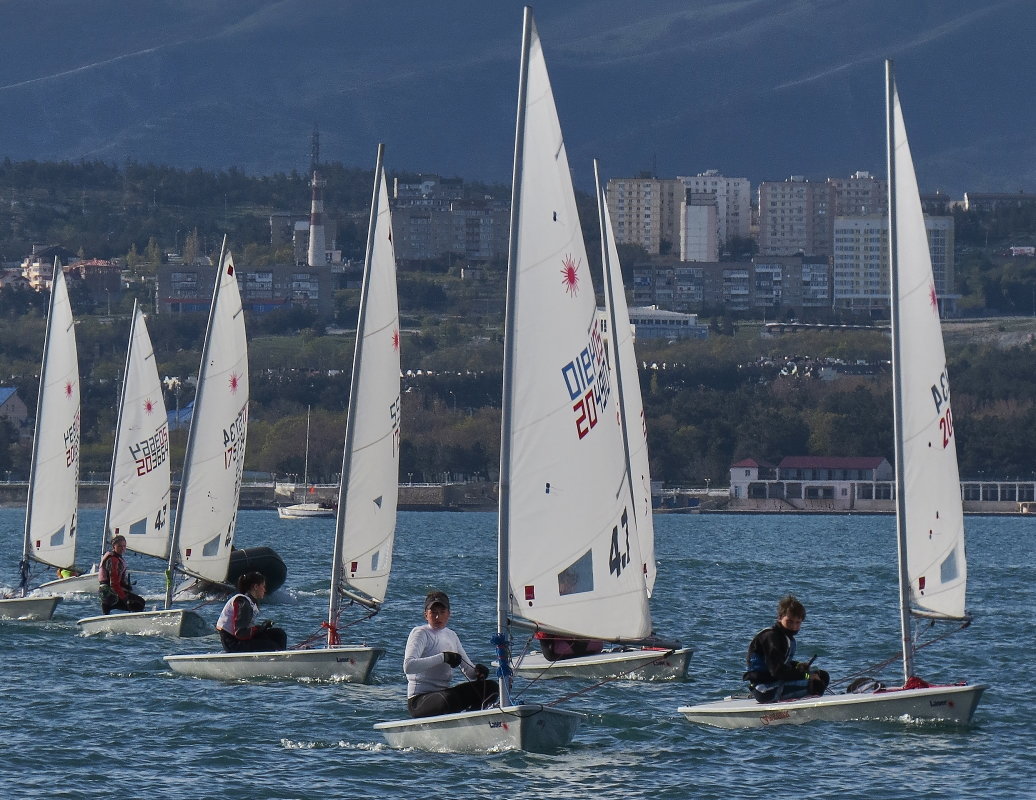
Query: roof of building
column 831, row 462
column 6, row 393
column 752, row 462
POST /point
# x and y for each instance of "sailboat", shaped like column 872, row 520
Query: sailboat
column 556, row 397
column 206, row 509
column 648, row 658
column 138, row 490
column 368, row 493
column 929, row 514
column 305, row 510
column 50, row 511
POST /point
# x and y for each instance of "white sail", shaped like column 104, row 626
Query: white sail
column 625, row 358
column 574, row 561
column 207, row 506
column 934, row 520
column 138, row 495
column 370, row 474
column 50, row 519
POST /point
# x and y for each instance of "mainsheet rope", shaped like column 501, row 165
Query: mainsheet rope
column 892, row 659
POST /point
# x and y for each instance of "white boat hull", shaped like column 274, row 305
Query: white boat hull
column 175, row 623
column 639, row 664
column 28, row 607
column 304, row 511
column 80, row 584
column 529, row 727
column 954, row 704
column 349, row 664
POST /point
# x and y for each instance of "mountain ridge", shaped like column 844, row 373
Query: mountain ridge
column 749, row 87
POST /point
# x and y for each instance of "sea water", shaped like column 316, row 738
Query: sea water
column 104, row 717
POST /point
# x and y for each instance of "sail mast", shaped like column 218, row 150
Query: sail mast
column 305, row 465
column 897, row 379
column 174, row 545
column 350, row 420
column 118, row 432
column 507, row 402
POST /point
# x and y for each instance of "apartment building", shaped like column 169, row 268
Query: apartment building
column 733, row 202
column 798, row 216
column 767, row 286
column 860, row 263
column 645, row 212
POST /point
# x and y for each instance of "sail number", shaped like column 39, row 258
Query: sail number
column 618, row 559
column 152, row 452
column 234, row 440
column 587, row 379
column 941, row 398
column 71, row 437
column 946, row 426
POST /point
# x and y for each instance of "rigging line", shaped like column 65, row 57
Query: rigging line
column 620, row 676
column 322, row 633
column 528, row 683
column 882, row 664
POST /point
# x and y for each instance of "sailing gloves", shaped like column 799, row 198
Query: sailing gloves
column 453, row 659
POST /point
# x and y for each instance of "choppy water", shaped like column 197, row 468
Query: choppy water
column 103, row 717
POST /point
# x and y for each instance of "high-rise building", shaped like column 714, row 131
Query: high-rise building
column 645, row 211
column 699, row 239
column 860, row 265
column 733, row 202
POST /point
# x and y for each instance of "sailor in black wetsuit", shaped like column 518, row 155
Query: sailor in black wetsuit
column 773, row 674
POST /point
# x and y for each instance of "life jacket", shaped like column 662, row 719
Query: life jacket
column 106, row 571
column 758, row 672
column 228, row 616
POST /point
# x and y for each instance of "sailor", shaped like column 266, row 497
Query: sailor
column 237, row 622
column 432, row 652
column 773, row 674
column 114, row 585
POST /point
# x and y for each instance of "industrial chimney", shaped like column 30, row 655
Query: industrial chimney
column 317, row 246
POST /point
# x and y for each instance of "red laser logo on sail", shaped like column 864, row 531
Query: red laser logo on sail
column 395, row 340
column 68, row 389
column 933, row 298
column 234, row 381
column 149, row 406
column 570, row 275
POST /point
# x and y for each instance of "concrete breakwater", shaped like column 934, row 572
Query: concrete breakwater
column 412, row 497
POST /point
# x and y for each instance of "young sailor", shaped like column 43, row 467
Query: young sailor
column 114, row 585
column 432, row 652
column 237, row 622
column 773, row 674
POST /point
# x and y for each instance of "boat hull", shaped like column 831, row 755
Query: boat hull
column 953, row 704
column 80, row 584
column 304, row 511
column 28, row 607
column 348, row 664
column 175, row 623
column 639, row 664
column 530, row 727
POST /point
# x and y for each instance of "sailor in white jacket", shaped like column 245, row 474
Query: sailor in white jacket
column 432, row 653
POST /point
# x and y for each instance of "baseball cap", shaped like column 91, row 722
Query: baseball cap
column 436, row 598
